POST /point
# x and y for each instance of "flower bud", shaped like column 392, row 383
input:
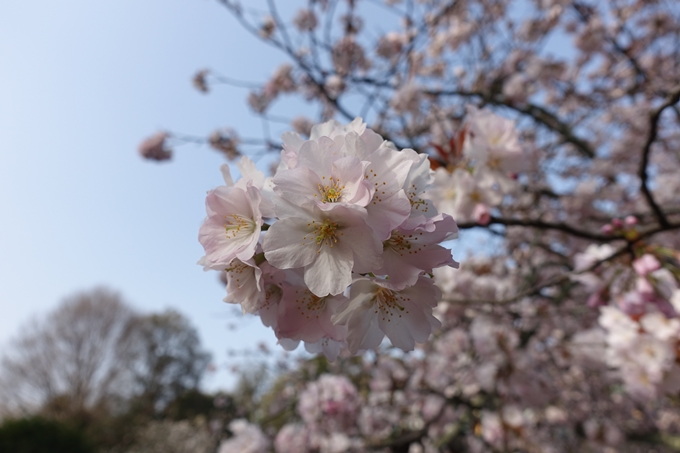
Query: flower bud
column 199, row 81
column 154, row 148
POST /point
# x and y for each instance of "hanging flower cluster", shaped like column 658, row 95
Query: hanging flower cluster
column 348, row 257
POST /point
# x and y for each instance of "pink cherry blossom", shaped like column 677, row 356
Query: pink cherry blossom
column 385, row 176
column 327, row 346
column 376, row 309
column 645, row 264
column 331, row 400
column 413, row 249
column 232, row 228
column 306, row 317
column 324, row 176
column 329, row 245
column 248, row 283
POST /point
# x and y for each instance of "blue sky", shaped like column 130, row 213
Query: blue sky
column 81, row 84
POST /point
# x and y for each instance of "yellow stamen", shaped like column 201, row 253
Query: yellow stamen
column 324, row 233
column 332, row 192
column 234, row 224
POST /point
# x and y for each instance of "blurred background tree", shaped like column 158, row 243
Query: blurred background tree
column 69, row 362
column 164, row 358
column 98, row 367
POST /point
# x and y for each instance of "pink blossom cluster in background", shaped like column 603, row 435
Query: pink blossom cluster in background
column 639, row 303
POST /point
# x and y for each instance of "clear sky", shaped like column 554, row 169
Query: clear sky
column 81, row 84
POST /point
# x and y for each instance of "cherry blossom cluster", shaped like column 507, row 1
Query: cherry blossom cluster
column 475, row 381
column 479, row 167
column 639, row 302
column 348, row 255
column 328, row 408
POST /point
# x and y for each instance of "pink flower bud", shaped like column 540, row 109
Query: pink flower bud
column 481, row 214
column 617, row 223
column 631, row 220
column 607, row 229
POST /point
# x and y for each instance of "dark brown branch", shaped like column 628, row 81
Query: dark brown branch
column 544, row 225
column 567, row 228
column 402, row 442
column 551, row 121
column 654, row 117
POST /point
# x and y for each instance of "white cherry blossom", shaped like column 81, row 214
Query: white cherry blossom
column 493, row 142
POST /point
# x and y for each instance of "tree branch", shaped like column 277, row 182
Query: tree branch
column 533, row 290
column 567, row 229
column 654, row 117
column 540, row 114
column 544, row 225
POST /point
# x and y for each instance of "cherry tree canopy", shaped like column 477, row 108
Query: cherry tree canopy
column 549, row 127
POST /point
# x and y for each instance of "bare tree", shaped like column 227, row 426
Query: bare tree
column 95, row 352
column 70, row 356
